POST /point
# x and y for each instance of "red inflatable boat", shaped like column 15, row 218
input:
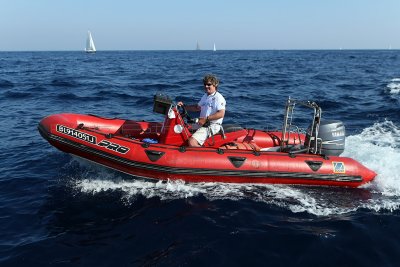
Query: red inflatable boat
column 159, row 150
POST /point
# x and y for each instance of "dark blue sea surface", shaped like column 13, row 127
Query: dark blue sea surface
column 56, row 210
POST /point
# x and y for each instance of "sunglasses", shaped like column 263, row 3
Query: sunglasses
column 208, row 84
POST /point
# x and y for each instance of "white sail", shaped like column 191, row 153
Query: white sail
column 90, row 48
column 215, row 49
column 197, row 46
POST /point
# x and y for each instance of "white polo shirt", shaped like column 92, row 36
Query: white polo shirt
column 210, row 104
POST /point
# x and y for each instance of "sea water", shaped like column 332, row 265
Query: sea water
column 58, row 210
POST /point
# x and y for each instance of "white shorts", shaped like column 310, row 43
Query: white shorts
column 203, row 133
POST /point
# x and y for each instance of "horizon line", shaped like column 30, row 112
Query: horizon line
column 219, row 50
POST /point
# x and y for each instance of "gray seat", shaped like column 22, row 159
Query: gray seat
column 229, row 128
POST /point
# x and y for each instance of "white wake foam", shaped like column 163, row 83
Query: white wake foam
column 393, row 86
column 377, row 147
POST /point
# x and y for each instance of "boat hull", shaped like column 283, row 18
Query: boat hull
column 100, row 142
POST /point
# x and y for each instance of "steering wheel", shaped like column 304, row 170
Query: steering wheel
column 184, row 114
column 182, row 111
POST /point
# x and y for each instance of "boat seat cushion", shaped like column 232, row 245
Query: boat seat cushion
column 241, row 146
column 271, row 149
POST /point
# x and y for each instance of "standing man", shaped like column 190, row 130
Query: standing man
column 212, row 111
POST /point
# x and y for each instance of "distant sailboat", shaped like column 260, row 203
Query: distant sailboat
column 197, row 46
column 215, row 49
column 90, row 48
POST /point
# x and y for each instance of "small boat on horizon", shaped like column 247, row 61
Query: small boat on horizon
column 90, row 47
column 215, row 49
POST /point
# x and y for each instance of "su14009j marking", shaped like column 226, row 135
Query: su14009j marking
column 91, row 139
column 76, row 134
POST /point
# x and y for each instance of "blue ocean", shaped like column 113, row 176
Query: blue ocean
column 57, row 210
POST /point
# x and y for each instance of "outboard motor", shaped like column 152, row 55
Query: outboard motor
column 330, row 140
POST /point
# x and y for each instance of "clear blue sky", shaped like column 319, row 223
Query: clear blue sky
column 179, row 24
